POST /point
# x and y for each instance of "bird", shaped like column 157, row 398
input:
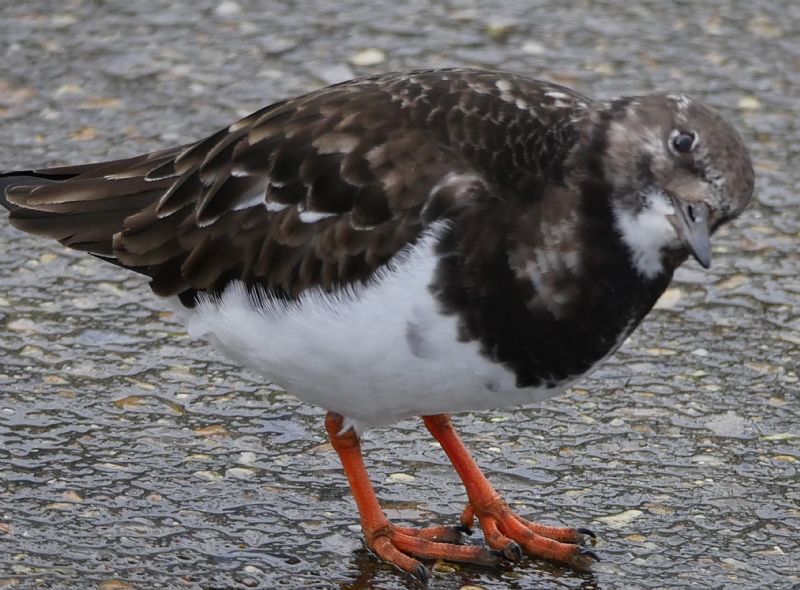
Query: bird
column 415, row 244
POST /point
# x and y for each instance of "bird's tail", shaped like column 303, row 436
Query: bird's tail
column 83, row 206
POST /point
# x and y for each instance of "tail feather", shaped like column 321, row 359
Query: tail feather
column 83, row 207
column 10, row 181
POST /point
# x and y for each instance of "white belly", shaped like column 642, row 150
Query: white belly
column 375, row 354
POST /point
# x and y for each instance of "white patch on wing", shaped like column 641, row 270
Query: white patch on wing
column 312, row 216
column 240, row 172
column 453, row 178
column 335, row 143
column 508, row 94
column 504, row 86
column 254, row 201
column 560, row 99
column 273, row 207
column 647, row 232
column 376, row 353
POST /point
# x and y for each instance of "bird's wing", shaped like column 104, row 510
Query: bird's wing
column 316, row 191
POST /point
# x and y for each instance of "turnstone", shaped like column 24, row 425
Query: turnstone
column 413, row 244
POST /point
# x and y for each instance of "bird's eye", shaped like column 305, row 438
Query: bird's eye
column 682, row 141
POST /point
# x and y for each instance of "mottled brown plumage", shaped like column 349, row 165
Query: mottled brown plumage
column 359, row 159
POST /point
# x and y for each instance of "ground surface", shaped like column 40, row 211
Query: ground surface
column 134, row 457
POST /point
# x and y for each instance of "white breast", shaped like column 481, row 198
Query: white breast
column 375, row 354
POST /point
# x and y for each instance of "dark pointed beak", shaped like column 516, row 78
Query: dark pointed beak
column 691, row 221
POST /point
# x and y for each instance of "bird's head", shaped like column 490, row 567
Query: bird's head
column 677, row 171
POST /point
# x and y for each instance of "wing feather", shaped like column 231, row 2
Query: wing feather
column 313, row 192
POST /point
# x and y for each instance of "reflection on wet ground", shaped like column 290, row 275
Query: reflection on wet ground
column 131, row 457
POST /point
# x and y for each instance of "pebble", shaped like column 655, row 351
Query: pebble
column 112, row 466
column 749, row 103
column 240, row 472
column 442, row 567
column 72, row 496
column 728, row 424
column 774, row 550
column 400, row 477
column 368, row 57
column 621, row 520
column 656, row 351
column 669, row 299
column 765, row 27
column 60, row 506
column 499, row 29
column 781, row 436
column 22, row 325
column 533, row 48
column 84, row 134
column 247, row 458
column 212, row 430
column 227, row 8
column 733, row 282
column 68, row 89
column 733, row 563
column 63, row 20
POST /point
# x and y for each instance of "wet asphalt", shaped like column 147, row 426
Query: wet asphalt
column 132, row 457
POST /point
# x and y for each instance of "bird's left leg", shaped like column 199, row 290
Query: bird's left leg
column 504, row 529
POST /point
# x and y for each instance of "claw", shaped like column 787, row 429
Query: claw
column 421, row 573
column 512, row 551
column 589, row 553
column 585, row 531
column 462, row 528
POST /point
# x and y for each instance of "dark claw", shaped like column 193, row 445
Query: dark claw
column 422, row 575
column 585, row 531
column 492, row 557
column 590, row 553
column 512, row 551
column 462, row 528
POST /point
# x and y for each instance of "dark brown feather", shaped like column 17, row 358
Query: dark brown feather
column 316, row 191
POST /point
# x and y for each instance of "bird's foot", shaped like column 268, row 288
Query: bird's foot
column 512, row 536
column 402, row 546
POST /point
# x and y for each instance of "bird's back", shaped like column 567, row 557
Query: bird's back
column 314, row 192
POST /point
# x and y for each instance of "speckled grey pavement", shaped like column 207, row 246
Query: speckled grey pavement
column 134, row 457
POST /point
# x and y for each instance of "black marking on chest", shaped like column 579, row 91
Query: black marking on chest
column 475, row 282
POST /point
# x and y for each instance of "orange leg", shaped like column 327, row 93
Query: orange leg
column 503, row 529
column 392, row 543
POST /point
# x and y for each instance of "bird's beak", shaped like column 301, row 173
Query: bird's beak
column 691, row 221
